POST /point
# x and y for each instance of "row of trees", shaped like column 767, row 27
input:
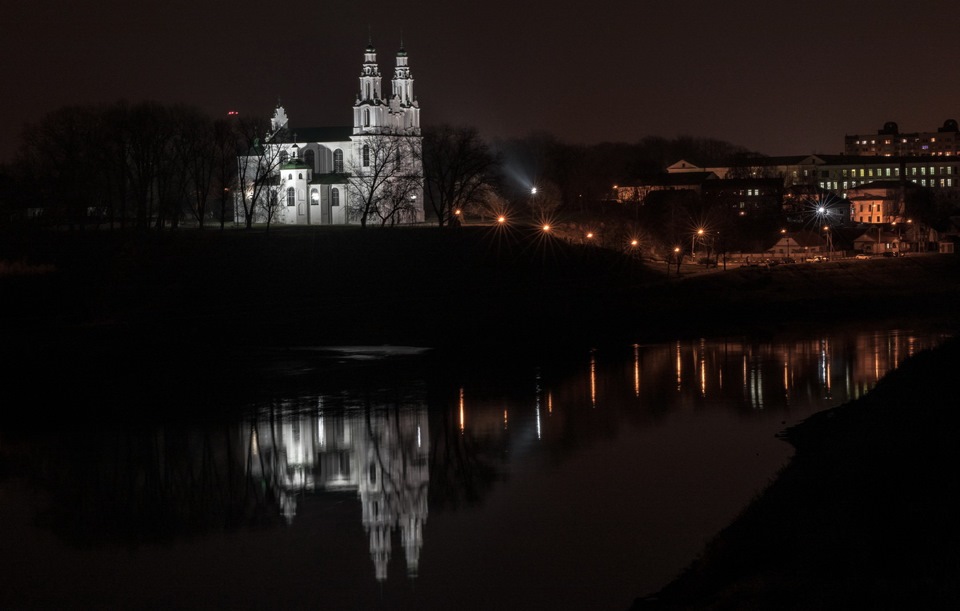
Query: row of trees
column 142, row 164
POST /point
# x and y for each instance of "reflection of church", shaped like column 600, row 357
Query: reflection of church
column 382, row 454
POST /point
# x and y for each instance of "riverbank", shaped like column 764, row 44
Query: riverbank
column 121, row 308
column 864, row 516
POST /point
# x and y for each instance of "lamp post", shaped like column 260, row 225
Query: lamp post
column 693, row 243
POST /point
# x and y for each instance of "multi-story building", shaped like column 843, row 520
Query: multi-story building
column 889, row 142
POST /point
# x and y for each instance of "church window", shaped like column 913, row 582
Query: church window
column 314, row 197
column 366, row 117
column 311, row 159
column 290, row 176
column 338, row 161
column 300, row 176
column 284, row 156
column 366, row 156
column 335, row 197
column 291, row 197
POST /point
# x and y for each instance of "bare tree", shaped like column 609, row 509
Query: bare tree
column 458, row 169
column 384, row 179
column 257, row 169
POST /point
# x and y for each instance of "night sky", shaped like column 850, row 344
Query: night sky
column 777, row 77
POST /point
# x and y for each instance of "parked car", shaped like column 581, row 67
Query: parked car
column 863, row 256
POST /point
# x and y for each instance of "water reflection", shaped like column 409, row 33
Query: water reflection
column 641, row 453
column 380, row 453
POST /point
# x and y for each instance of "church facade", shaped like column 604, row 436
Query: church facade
column 368, row 172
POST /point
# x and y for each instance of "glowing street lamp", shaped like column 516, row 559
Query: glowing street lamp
column 634, row 243
column 693, row 241
column 533, row 190
column 546, row 228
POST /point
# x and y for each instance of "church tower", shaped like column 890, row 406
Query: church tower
column 369, row 107
column 404, row 109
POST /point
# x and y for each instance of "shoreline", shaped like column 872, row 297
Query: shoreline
column 863, row 516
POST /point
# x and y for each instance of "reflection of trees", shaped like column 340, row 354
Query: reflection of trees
column 134, row 485
column 461, row 470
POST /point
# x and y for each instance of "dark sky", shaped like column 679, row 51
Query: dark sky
column 777, row 77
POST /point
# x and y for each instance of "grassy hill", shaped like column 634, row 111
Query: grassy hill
column 468, row 288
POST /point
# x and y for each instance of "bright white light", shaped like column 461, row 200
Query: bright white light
column 533, row 191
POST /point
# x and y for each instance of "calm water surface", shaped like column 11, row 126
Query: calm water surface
column 581, row 484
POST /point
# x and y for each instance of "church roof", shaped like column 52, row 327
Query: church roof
column 295, row 164
column 333, row 178
column 324, row 134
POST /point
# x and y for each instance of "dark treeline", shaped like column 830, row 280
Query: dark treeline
column 581, row 172
column 143, row 165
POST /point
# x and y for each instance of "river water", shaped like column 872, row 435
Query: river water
column 579, row 483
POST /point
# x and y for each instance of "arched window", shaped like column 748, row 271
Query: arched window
column 366, row 117
column 314, row 197
column 338, row 161
column 366, row 156
column 300, row 176
column 335, row 197
column 291, row 197
column 284, row 156
column 290, row 176
column 311, row 158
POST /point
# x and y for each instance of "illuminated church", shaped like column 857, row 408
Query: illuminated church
column 325, row 175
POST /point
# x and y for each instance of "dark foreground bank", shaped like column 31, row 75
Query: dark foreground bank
column 864, row 516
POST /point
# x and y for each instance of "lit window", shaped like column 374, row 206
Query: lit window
column 314, row 197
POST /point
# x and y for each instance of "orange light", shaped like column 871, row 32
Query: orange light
column 633, row 242
column 457, row 212
column 501, row 219
column 546, row 227
column 589, row 235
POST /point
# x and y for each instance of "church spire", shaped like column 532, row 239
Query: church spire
column 368, row 109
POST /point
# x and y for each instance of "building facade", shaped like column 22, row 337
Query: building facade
column 889, row 142
column 369, row 171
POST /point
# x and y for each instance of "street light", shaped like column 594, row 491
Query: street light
column 693, row 242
